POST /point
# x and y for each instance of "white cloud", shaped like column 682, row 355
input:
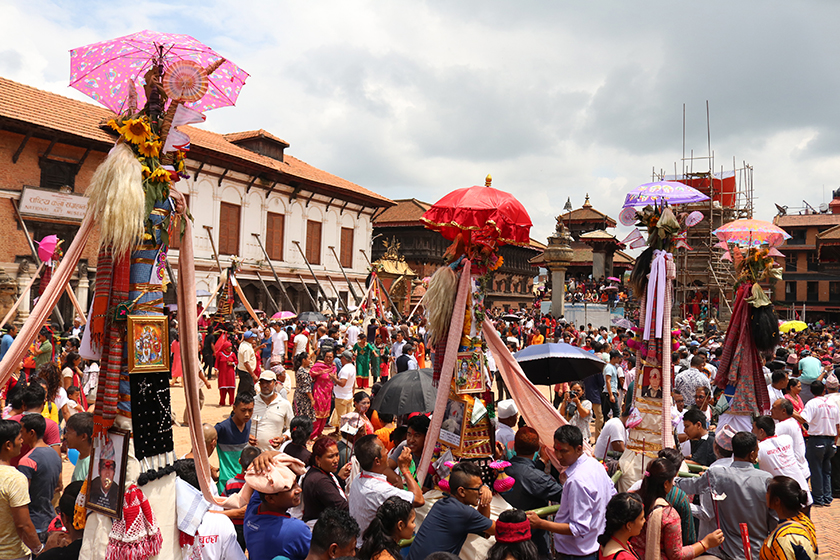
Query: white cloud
column 553, row 99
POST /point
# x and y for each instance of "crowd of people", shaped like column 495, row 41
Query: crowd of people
column 311, row 470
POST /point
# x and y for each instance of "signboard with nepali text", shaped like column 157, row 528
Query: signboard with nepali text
column 52, row 204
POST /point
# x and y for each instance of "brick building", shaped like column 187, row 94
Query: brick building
column 811, row 263
column 240, row 184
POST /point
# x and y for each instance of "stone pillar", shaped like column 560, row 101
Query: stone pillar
column 24, row 276
column 83, row 287
column 557, row 256
column 558, row 291
column 599, row 258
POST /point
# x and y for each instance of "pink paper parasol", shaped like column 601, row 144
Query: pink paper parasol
column 46, row 247
column 751, row 233
column 107, row 71
column 283, row 315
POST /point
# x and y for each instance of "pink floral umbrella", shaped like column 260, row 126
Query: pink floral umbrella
column 107, row 71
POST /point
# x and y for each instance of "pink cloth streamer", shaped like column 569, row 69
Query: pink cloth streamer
column 456, row 328
column 656, row 292
column 530, row 401
column 667, row 428
column 188, row 335
column 47, row 301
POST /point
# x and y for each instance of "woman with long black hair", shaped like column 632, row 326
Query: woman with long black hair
column 795, row 536
column 662, row 526
column 625, row 520
column 393, row 522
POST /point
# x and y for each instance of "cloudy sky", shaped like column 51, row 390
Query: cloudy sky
column 554, row 99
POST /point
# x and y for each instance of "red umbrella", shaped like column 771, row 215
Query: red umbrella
column 483, row 210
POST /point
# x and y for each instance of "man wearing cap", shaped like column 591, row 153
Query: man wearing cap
column 104, row 489
column 343, row 389
column 746, row 497
column 247, row 367
column 508, row 415
column 272, row 415
column 269, row 530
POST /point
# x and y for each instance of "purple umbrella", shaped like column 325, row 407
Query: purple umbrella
column 663, row 191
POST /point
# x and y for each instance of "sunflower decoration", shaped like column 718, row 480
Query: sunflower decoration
column 143, row 136
column 754, row 266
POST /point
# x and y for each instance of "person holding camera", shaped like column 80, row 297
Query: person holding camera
column 577, row 410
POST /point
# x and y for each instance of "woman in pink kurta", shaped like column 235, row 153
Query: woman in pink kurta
column 323, row 374
column 226, row 365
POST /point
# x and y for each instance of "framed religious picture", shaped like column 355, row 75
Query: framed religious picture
column 469, row 373
column 454, row 423
column 106, row 475
column 148, row 350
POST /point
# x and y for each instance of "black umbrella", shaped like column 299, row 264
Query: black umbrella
column 407, row 392
column 511, row 317
column 546, row 364
column 311, row 317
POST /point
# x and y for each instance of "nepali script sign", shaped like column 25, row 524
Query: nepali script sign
column 52, row 204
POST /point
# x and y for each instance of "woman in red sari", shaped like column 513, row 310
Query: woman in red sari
column 323, row 378
column 226, row 365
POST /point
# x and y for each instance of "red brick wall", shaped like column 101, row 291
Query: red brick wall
column 13, row 176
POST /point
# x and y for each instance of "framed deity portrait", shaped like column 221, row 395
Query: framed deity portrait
column 148, row 344
column 469, row 373
column 106, row 476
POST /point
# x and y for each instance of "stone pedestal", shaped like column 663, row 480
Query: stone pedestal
column 558, row 254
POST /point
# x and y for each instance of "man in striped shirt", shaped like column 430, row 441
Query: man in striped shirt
column 233, row 434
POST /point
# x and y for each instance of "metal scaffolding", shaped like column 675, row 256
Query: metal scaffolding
column 702, row 269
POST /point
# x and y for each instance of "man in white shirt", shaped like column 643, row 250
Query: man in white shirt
column 279, row 338
column 782, row 412
column 272, row 415
column 775, row 453
column 216, row 534
column 301, row 340
column 778, row 383
column 247, row 364
column 614, row 434
column 343, row 389
column 823, row 419
column 353, row 333
column 371, row 488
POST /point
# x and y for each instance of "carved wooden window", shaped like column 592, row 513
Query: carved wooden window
column 229, row 229
column 274, row 229
column 313, row 242
column 346, row 247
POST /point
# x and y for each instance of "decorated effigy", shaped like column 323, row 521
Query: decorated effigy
column 754, row 325
column 154, row 83
column 478, row 220
column 652, row 207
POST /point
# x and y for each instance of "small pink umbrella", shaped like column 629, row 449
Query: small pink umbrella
column 283, row 315
column 46, row 247
column 107, row 71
